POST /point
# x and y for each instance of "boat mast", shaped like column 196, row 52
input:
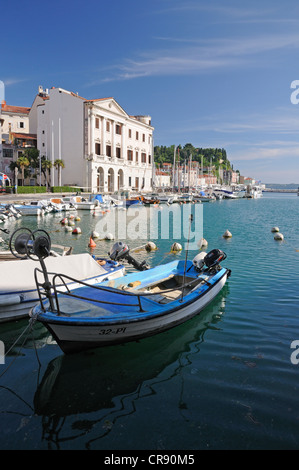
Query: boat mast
column 173, row 169
column 178, row 170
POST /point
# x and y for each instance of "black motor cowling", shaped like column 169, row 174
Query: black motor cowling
column 214, row 258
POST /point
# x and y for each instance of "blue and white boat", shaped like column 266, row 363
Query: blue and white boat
column 129, row 308
column 133, row 201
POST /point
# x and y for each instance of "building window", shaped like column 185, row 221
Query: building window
column 107, row 126
column 108, row 150
column 21, row 125
column 97, row 123
column 118, row 152
column 137, row 135
column 149, row 159
column 136, row 156
column 130, row 181
column 98, row 149
column 143, row 157
column 130, row 133
column 130, row 155
column 143, row 137
column 118, row 129
column 7, row 153
column 136, row 183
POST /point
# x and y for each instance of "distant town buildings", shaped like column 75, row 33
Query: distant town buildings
column 14, row 135
column 103, row 148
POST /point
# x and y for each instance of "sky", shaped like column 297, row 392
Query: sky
column 220, row 74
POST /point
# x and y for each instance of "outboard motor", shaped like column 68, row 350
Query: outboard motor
column 121, row 251
column 214, row 257
column 210, row 260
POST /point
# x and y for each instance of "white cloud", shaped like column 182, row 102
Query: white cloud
column 202, row 55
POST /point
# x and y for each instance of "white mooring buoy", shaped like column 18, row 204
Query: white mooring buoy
column 278, row 236
column 150, row 246
column 227, row 234
column 202, row 243
column 176, row 247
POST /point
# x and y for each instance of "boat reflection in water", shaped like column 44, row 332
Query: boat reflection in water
column 81, row 396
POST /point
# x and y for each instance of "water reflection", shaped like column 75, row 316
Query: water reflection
column 90, row 391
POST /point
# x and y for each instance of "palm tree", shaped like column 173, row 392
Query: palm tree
column 46, row 166
column 22, row 163
column 59, row 165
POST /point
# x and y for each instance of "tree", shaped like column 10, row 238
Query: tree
column 23, row 163
column 59, row 165
column 33, row 156
column 46, row 167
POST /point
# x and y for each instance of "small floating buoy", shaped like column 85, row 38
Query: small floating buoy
column 64, row 221
column 77, row 219
column 109, row 236
column 202, row 243
column 278, row 236
column 95, row 234
column 92, row 244
column 176, row 247
column 71, row 223
column 150, row 246
column 275, row 229
column 68, row 228
column 227, row 234
column 76, row 231
column 72, row 216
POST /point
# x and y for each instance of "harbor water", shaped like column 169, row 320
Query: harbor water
column 227, row 379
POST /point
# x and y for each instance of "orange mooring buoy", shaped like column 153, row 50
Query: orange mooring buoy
column 92, row 244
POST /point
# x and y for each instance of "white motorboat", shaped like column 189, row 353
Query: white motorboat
column 30, row 209
column 62, row 205
column 81, row 203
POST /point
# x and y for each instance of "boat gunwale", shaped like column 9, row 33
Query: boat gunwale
column 48, row 318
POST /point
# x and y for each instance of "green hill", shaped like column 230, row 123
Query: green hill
column 210, row 157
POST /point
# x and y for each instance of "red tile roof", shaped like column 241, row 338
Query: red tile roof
column 14, row 109
column 24, row 136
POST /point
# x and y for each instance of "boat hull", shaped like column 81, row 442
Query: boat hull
column 78, row 336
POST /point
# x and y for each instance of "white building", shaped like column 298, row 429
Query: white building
column 14, row 134
column 103, row 148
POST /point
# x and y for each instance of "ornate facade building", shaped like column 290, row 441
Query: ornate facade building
column 104, row 149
